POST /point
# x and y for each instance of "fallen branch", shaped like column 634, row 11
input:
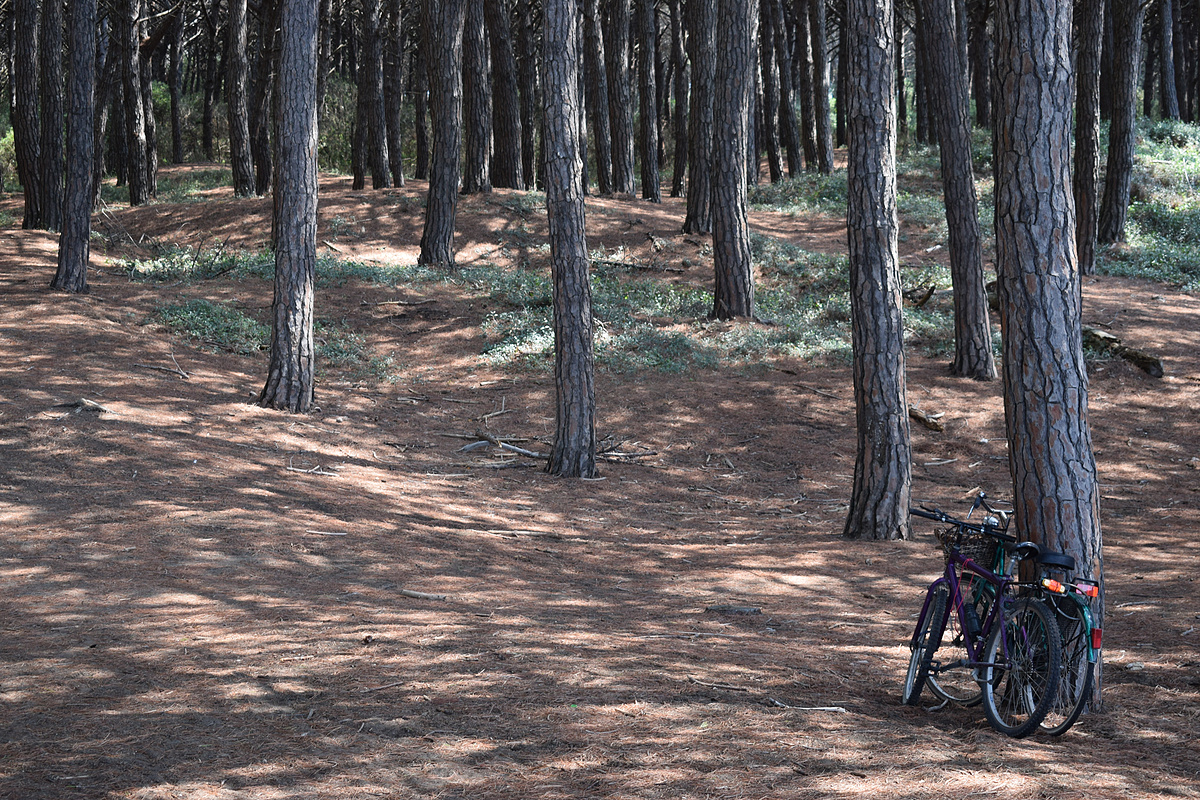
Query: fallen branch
column 398, row 303
column 930, row 421
column 832, row 709
column 175, row 371
column 730, row 687
column 420, row 595
column 487, row 437
column 83, row 403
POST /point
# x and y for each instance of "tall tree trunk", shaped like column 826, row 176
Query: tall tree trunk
column 324, row 48
column 1089, row 26
column 175, row 86
column 769, row 71
column 238, row 106
column 805, row 72
column 820, row 86
column 680, row 91
column 1166, row 28
column 647, row 29
column 74, row 243
column 370, row 96
column 981, row 62
column 393, row 89
column 843, row 80
column 421, row 105
column 27, row 126
column 948, row 92
column 901, row 89
column 291, row 373
column 444, row 38
column 208, row 15
column 507, row 170
column 477, row 103
column 921, row 75
column 701, row 15
column 266, row 60
column 574, row 452
column 733, row 295
column 882, row 469
column 620, row 96
column 50, row 52
column 135, row 110
column 145, row 56
column 1150, row 70
column 1128, row 16
column 788, row 124
column 108, row 70
column 527, row 76
column 1055, row 492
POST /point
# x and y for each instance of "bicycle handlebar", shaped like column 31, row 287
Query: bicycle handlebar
column 937, row 515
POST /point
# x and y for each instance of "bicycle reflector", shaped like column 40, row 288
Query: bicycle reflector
column 1088, row 589
column 1051, row 585
column 1097, row 636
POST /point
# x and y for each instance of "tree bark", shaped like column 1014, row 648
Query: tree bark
column 507, row 170
column 574, row 451
column 74, row 243
column 804, row 70
column 882, row 470
column 238, row 106
column 370, row 96
column 948, row 91
column 733, row 295
column 138, row 171
column 444, row 40
column 820, row 81
column 648, row 107
column 901, row 90
column 175, row 86
column 620, row 97
column 1169, row 98
column 27, row 126
column 981, row 62
column 421, row 103
column 477, row 103
column 393, row 88
column 1089, row 25
column 527, row 76
column 50, row 51
column 700, row 16
column 1055, row 490
column 266, row 59
column 680, row 91
column 290, row 376
column 769, row 71
column 1128, row 16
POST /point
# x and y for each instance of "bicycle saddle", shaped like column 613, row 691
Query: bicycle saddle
column 1056, row 560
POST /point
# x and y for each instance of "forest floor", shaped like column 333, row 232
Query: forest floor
column 202, row 598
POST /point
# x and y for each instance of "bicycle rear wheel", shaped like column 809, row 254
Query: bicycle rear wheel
column 1021, row 679
column 1076, row 676
column 957, row 684
column 925, row 643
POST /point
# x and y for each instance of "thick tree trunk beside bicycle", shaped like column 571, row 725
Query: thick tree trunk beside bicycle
column 1055, row 493
column 883, row 467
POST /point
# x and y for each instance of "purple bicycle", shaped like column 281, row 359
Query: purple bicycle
column 1008, row 645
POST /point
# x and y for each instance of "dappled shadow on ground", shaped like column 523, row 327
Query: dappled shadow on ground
column 204, row 599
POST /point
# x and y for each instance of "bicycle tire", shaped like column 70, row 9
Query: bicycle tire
column 1077, row 669
column 1020, row 680
column 926, row 639
column 958, row 684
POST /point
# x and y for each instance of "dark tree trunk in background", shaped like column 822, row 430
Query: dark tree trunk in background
column 1089, row 26
column 138, row 168
column 1055, row 490
column 209, row 19
column 843, row 80
column 882, row 468
column 291, row 373
column 981, row 62
column 324, row 48
column 804, row 71
column 74, row 243
column 733, row 295
column 421, row 105
column 370, row 96
column 238, row 106
column 175, row 86
column 266, row 58
column 1128, row 16
column 507, row 170
column 680, row 68
column 358, row 145
column 145, row 54
column 393, row 88
column 597, row 93
column 1151, row 69
column 1169, row 98
column 921, row 76
column 527, row 75
column 647, row 50
column 820, row 56
column 948, row 92
column 620, row 95
column 27, row 126
column 477, row 103
column 50, row 52
column 769, row 71
column 107, row 70
column 1106, row 65
column 701, row 15
column 901, row 90
column 788, row 124
column 574, row 452
column 444, row 38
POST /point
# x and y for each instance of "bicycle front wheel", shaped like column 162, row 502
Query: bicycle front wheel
column 1075, row 678
column 957, row 683
column 1020, row 680
column 925, row 643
